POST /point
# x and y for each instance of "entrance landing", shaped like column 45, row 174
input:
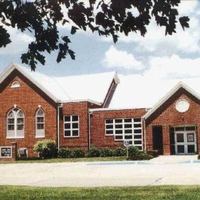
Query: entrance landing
column 175, row 159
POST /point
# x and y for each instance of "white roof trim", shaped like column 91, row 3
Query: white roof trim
column 116, row 78
column 12, row 67
column 112, row 109
column 82, row 100
column 168, row 95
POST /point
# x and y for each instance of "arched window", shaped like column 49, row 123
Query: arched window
column 40, row 123
column 15, row 84
column 15, row 123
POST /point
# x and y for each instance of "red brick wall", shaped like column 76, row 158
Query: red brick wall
column 98, row 137
column 27, row 97
column 167, row 116
column 80, row 109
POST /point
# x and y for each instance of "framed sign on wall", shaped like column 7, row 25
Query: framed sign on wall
column 5, row 151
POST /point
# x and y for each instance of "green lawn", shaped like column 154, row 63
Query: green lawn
column 56, row 160
column 110, row 193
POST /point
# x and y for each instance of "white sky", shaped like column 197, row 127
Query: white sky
column 155, row 55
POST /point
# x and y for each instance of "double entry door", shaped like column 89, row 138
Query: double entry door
column 185, row 142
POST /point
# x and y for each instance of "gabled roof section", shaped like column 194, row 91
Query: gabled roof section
column 28, row 75
column 170, row 94
column 90, row 87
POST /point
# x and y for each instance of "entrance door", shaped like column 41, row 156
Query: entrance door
column 185, row 142
column 158, row 139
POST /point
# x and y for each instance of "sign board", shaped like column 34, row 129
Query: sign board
column 126, row 143
column 5, row 152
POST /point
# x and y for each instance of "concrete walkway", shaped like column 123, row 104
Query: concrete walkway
column 175, row 159
column 93, row 174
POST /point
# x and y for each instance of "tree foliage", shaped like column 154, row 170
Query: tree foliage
column 43, row 18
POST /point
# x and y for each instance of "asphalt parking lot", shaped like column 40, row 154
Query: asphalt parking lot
column 94, row 174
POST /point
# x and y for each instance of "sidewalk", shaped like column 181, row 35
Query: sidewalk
column 97, row 174
column 175, row 159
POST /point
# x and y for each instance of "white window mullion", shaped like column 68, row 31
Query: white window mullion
column 71, row 133
column 123, row 130
column 12, row 121
column 40, row 123
column 15, row 122
column 69, row 130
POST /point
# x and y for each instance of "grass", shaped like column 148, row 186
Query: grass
column 115, row 193
column 58, row 160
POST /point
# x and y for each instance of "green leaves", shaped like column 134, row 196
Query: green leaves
column 64, row 50
column 107, row 18
column 184, row 21
column 4, row 37
column 73, row 30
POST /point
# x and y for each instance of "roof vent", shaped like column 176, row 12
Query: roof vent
column 15, row 84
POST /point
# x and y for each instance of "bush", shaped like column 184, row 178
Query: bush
column 106, row 152
column 93, row 152
column 64, row 153
column 135, row 154
column 46, row 148
column 78, row 153
column 119, row 151
column 71, row 153
column 154, row 153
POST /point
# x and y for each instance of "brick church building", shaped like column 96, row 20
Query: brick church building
column 99, row 110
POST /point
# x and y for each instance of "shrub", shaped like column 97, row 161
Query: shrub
column 78, row 153
column 93, row 152
column 154, row 153
column 119, row 151
column 145, row 156
column 135, row 154
column 46, row 148
column 106, row 152
column 64, row 153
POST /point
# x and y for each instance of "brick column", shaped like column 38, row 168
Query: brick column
column 14, row 151
column 149, row 138
column 166, row 140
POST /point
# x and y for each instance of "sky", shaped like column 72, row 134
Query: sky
column 155, row 55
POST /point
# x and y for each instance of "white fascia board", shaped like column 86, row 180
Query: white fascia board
column 116, row 78
column 12, row 67
column 111, row 109
column 168, row 95
column 82, row 100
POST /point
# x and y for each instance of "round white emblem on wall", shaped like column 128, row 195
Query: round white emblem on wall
column 182, row 105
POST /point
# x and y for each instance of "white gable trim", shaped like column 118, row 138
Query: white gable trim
column 12, row 67
column 83, row 100
column 116, row 78
column 168, row 95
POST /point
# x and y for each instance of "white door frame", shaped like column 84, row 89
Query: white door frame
column 185, row 142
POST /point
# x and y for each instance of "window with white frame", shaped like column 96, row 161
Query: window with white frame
column 15, row 123
column 15, row 84
column 129, row 129
column 40, row 123
column 71, row 126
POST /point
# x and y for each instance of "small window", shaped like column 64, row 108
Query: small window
column 71, row 126
column 23, row 152
column 40, row 123
column 15, row 84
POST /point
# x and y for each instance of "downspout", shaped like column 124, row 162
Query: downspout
column 89, row 129
column 58, row 125
column 145, row 138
